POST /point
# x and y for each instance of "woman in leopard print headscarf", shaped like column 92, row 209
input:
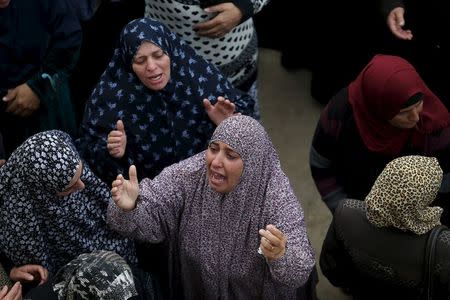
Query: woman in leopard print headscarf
column 402, row 193
column 377, row 248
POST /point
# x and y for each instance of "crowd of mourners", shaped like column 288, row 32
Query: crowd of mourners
column 133, row 163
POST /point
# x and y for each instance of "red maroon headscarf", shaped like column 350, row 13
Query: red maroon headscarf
column 378, row 94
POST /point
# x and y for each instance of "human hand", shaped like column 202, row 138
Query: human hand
column 125, row 192
column 21, row 101
column 117, row 141
column 273, row 242
column 228, row 16
column 218, row 112
column 2, row 162
column 15, row 293
column 396, row 21
column 29, row 273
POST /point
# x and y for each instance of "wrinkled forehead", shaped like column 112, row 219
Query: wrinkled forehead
column 144, row 30
column 244, row 135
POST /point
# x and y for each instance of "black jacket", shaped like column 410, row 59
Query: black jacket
column 381, row 263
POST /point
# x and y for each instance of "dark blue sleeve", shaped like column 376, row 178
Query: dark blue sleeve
column 63, row 25
column 92, row 148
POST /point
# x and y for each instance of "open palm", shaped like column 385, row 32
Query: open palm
column 221, row 110
column 125, row 192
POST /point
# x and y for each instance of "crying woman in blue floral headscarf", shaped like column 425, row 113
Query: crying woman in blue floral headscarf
column 165, row 97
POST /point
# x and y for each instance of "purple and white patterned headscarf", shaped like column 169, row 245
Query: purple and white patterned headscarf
column 221, row 231
column 213, row 237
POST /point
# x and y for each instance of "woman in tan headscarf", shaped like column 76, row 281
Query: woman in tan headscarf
column 402, row 193
column 377, row 248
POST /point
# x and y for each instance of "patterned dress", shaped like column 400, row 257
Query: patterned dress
column 213, row 238
column 235, row 54
column 162, row 127
column 40, row 228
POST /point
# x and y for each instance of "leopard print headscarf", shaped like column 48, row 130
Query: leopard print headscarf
column 402, row 193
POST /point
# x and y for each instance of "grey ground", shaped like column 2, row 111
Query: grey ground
column 289, row 114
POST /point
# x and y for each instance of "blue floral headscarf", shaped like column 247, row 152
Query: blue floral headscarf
column 162, row 127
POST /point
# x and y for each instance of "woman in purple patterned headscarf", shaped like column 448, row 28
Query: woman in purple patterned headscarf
column 217, row 211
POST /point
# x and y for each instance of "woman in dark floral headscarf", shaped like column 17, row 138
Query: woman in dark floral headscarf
column 52, row 207
column 158, row 96
column 232, row 222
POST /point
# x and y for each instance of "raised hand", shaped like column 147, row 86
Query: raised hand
column 29, row 273
column 21, row 101
column 228, row 16
column 396, row 21
column 218, row 112
column 125, row 192
column 117, row 141
column 15, row 293
column 273, row 242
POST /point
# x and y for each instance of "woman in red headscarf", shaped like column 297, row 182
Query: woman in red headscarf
column 386, row 112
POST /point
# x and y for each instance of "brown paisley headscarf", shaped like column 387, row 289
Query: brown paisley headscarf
column 402, row 193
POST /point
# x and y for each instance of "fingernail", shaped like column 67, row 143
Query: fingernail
column 5, row 99
column 207, row 9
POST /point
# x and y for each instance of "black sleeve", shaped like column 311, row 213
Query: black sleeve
column 62, row 53
column 387, row 5
column 92, row 147
column 335, row 262
column 2, row 148
column 246, row 8
column 442, row 267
